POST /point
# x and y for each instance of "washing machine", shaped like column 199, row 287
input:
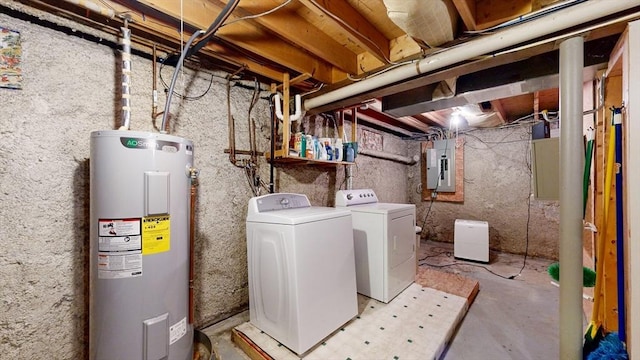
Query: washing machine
column 302, row 281
column 384, row 240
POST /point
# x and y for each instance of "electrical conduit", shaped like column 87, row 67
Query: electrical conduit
column 126, row 76
column 167, row 105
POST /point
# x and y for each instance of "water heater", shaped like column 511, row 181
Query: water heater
column 139, row 246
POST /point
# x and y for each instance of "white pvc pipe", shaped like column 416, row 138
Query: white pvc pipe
column 276, row 100
column 571, row 167
column 554, row 22
column 298, row 111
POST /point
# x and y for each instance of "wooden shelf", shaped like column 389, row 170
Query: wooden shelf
column 295, row 160
column 280, row 155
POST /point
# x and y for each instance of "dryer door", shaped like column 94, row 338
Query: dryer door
column 401, row 254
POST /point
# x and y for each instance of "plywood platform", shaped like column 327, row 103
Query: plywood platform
column 417, row 324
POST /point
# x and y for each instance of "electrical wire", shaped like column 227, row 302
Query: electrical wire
column 468, row 264
column 260, row 14
column 528, row 164
column 434, row 192
column 182, row 96
column 345, row 24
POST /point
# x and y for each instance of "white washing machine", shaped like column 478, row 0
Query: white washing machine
column 302, row 281
column 385, row 245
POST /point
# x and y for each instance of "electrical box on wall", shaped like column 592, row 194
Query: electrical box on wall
column 441, row 166
column 546, row 168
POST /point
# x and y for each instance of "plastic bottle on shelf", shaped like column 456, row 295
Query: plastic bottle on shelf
column 303, row 146
column 328, row 150
column 322, row 154
column 310, row 154
column 337, row 150
column 350, row 153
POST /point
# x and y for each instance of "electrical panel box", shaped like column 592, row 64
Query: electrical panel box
column 546, row 168
column 441, row 166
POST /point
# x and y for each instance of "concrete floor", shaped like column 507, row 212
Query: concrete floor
column 509, row 319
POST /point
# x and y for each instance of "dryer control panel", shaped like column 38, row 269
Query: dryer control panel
column 355, row 197
column 271, row 202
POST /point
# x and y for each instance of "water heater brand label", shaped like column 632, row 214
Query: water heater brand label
column 119, row 248
column 156, row 231
column 141, row 143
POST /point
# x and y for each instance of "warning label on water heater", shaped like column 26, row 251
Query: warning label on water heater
column 119, row 248
column 156, row 232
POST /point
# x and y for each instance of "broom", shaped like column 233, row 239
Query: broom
column 595, row 333
column 612, row 346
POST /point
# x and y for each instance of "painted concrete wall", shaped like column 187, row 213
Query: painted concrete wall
column 70, row 89
column 496, row 189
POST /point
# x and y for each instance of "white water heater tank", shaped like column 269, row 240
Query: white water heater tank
column 139, row 246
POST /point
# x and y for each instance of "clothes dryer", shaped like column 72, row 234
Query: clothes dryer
column 384, row 240
column 301, row 267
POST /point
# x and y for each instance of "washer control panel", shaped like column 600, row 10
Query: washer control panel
column 355, row 197
column 271, row 202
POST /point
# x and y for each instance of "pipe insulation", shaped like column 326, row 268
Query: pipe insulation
column 558, row 21
column 571, row 166
column 433, row 22
column 126, row 76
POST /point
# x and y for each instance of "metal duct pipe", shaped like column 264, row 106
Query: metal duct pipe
column 571, row 164
column 544, row 26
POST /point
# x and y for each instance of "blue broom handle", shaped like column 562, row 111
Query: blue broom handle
column 617, row 121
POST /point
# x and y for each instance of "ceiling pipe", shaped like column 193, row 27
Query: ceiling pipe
column 544, row 26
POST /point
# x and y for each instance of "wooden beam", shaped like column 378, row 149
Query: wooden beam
column 426, row 120
column 467, row 11
column 362, row 32
column 245, row 35
column 147, row 30
column 411, row 122
column 403, row 48
column 496, row 105
column 493, row 12
column 366, row 115
column 614, row 68
column 536, row 105
column 436, row 118
column 287, row 25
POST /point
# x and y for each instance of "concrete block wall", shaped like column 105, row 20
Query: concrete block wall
column 70, row 88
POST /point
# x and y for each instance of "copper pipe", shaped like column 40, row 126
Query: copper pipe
column 192, row 236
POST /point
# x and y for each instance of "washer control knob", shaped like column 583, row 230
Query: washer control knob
column 284, row 202
column 349, row 196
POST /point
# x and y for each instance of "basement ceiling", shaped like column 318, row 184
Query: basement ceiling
column 324, row 45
